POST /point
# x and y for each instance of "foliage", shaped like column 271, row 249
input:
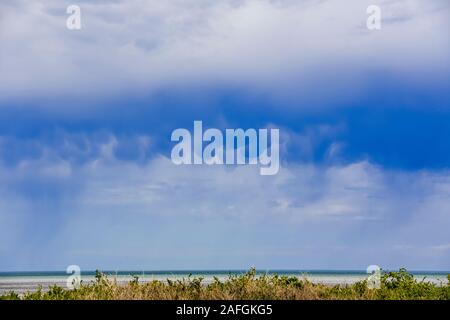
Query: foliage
column 249, row 286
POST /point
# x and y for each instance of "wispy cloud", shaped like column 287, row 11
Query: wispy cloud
column 86, row 116
column 140, row 210
column 143, row 46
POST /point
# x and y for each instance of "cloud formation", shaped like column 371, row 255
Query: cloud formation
column 291, row 48
column 112, row 213
column 86, row 116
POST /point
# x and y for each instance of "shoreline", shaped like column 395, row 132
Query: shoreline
column 249, row 286
column 30, row 282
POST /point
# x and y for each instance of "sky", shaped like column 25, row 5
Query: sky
column 86, row 117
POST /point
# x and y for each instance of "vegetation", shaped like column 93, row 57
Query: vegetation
column 394, row 285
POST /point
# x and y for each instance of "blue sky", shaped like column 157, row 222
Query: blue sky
column 86, row 118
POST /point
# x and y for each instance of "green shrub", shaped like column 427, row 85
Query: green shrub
column 249, row 286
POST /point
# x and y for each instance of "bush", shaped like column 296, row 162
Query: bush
column 248, row 286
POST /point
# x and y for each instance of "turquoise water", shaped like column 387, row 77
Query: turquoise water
column 29, row 281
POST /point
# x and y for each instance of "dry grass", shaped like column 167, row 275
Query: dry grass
column 394, row 285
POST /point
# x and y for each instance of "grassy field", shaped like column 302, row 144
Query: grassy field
column 394, row 285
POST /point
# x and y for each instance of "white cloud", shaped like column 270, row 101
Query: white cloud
column 55, row 211
column 142, row 45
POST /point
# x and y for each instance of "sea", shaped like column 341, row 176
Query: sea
column 21, row 282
